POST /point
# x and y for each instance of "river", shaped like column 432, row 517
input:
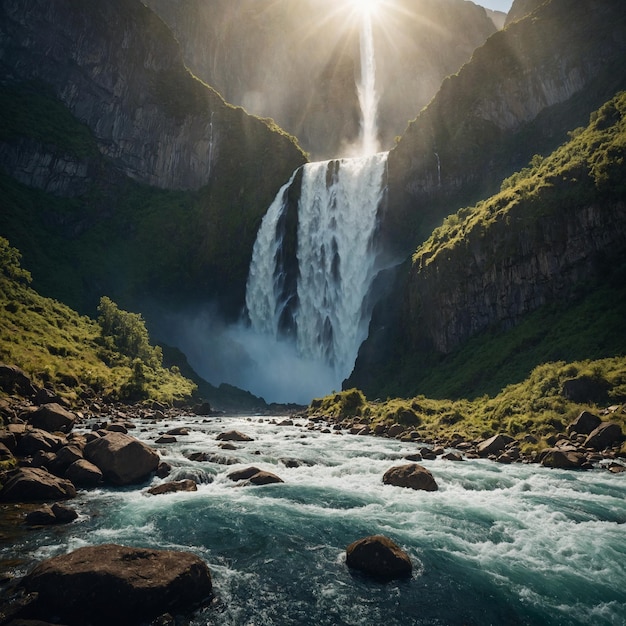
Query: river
column 496, row 544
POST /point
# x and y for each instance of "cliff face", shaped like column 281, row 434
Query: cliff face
column 111, row 152
column 497, row 277
column 118, row 69
column 297, row 61
column 518, row 95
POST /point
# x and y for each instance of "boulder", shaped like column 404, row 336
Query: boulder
column 166, row 439
column 117, row 428
column 49, row 515
column 84, row 474
column 110, row 584
column 233, row 435
column 585, row 389
column 451, row 456
column 174, row 486
column 255, row 476
column 52, row 417
column 562, row 459
column 264, row 478
column 181, row 431
column 202, row 409
column 494, row 444
column 584, row 423
column 122, row 459
column 412, row 475
column 243, row 474
column 31, row 484
column 380, row 557
column 46, row 396
column 15, row 380
column 5, row 453
column 604, row 436
column 395, row 430
column 36, row 440
column 65, row 457
column 164, row 469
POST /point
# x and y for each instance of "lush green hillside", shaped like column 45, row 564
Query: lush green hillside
column 588, row 171
column 533, row 410
column 55, row 345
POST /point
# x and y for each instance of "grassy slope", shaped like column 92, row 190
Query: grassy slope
column 54, row 344
column 590, row 168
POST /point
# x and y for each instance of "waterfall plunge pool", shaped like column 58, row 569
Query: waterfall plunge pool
column 497, row 544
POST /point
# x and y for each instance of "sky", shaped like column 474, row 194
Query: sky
column 496, row 5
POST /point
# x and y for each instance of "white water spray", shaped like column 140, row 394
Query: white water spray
column 311, row 312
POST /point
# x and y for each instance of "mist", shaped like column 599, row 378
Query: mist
column 235, row 354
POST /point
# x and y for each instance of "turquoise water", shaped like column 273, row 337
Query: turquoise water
column 497, row 544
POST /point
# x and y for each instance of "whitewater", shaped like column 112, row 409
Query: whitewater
column 497, row 544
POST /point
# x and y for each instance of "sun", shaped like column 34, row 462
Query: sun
column 366, row 7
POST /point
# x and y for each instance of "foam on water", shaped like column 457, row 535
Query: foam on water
column 496, row 544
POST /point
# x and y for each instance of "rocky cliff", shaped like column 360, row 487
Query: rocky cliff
column 518, row 95
column 113, row 153
column 118, row 69
column 297, row 61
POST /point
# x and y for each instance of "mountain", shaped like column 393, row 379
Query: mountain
column 297, row 61
column 114, row 154
column 520, row 95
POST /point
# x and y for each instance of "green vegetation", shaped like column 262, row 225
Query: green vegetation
column 32, row 111
column 533, row 410
column 590, row 168
column 54, row 344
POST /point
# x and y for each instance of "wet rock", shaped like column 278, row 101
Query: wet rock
column 5, row 453
column 604, row 436
column 451, row 456
column 180, row 431
column 285, row 422
column 173, row 487
column 412, row 476
column 414, row 457
column 560, row 458
column 84, row 475
column 31, row 484
column 52, row 417
column 164, row 469
column 234, row 435
column 380, row 557
column 122, row 459
column 243, row 474
column 65, row 457
column 117, row 428
column 264, row 478
column 110, row 584
column 255, row 476
column 163, row 439
column 494, row 444
column 51, row 515
column 585, row 423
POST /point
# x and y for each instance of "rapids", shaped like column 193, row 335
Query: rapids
column 497, row 544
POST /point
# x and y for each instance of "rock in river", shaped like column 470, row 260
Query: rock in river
column 378, row 556
column 113, row 584
column 31, row 484
column 122, row 459
column 413, row 476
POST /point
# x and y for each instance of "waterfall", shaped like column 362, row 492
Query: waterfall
column 336, row 261
column 368, row 98
column 315, row 259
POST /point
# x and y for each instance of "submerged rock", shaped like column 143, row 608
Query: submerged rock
column 380, row 557
column 115, row 584
column 412, row 475
column 173, row 486
column 49, row 515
